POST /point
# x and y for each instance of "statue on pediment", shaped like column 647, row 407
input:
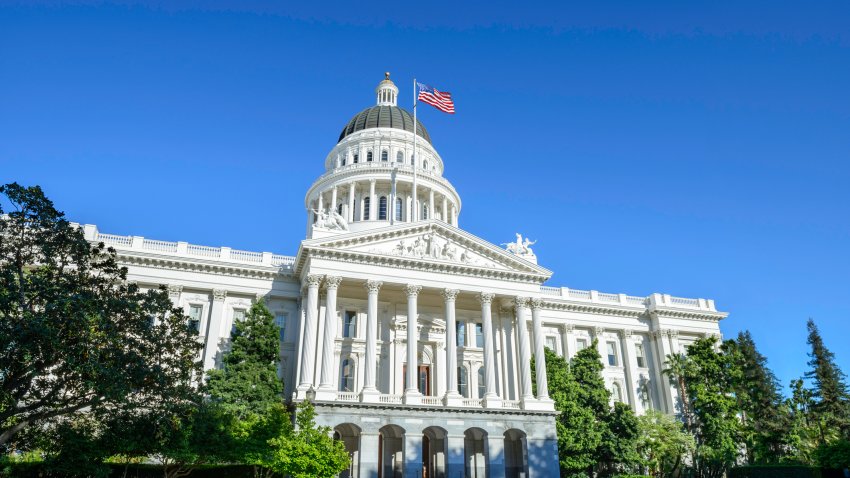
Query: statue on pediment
column 521, row 247
column 330, row 219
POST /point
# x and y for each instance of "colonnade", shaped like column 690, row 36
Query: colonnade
column 369, row 392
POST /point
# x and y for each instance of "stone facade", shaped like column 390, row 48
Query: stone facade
column 413, row 337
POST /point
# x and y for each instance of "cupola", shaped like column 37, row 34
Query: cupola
column 387, row 92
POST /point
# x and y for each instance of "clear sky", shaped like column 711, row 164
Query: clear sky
column 694, row 148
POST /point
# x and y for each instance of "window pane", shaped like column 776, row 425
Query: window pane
column 399, row 205
column 367, row 203
column 482, row 386
column 461, row 334
column 462, row 381
column 641, row 362
column 349, row 325
column 280, row 320
column 550, row 343
column 612, row 353
column 479, row 335
column 382, row 208
column 581, row 344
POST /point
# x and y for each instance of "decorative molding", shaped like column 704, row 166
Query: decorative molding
column 568, row 328
column 536, row 303
column 314, row 280
column 598, row 332
column 625, row 334
column 450, row 294
column 219, row 294
column 412, row 290
column 332, row 282
column 486, row 298
column 174, row 290
column 373, row 286
column 521, row 302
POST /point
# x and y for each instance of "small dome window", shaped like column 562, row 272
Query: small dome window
column 385, row 155
column 399, row 157
column 382, row 208
column 367, row 204
column 412, row 160
column 356, row 157
column 369, row 157
column 424, row 212
column 425, row 164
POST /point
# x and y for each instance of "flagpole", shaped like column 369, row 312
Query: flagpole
column 415, row 211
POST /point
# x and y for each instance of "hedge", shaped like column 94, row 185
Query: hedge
column 784, row 471
column 38, row 470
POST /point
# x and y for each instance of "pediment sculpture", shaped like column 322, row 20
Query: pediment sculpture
column 522, row 248
column 330, row 219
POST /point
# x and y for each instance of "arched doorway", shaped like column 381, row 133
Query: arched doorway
column 475, row 452
column 434, row 452
column 516, row 454
column 349, row 435
column 391, row 452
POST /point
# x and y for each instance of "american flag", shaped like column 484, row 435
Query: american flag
column 442, row 100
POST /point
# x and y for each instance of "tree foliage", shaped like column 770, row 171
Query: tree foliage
column 831, row 408
column 74, row 335
column 309, row 451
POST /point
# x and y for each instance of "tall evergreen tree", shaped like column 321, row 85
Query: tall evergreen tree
column 765, row 418
column 829, row 390
column 248, row 382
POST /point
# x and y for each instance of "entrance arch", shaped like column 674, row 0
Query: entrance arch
column 349, row 435
column 475, row 452
column 391, row 452
column 516, row 454
column 434, row 452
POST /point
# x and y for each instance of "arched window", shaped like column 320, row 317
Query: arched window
column 343, row 161
column 482, row 385
column 462, row 382
column 385, row 155
column 382, row 208
column 425, row 164
column 369, row 157
column 412, row 160
column 424, row 211
column 399, row 157
column 399, row 207
column 367, row 203
column 346, row 376
column 356, row 157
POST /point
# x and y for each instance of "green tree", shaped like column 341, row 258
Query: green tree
column 248, row 382
column 618, row 452
column 804, row 432
column 74, row 335
column 765, row 417
column 309, row 451
column 663, row 443
column 829, row 390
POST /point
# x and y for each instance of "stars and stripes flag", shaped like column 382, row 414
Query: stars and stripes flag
column 442, row 100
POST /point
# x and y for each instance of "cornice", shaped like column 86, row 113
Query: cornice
column 688, row 314
column 186, row 264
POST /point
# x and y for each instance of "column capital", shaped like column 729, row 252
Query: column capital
column 175, row 290
column 486, row 298
column 598, row 331
column 568, row 328
column 625, row 334
column 412, row 290
column 219, row 294
column 450, row 294
column 372, row 182
column 536, row 303
column 373, row 285
column 332, row 282
column 313, row 280
column 521, row 302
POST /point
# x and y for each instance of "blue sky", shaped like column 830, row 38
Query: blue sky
column 696, row 149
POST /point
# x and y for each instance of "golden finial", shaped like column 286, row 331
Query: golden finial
column 387, row 74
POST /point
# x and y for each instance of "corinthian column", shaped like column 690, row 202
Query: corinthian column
column 327, row 382
column 452, row 396
column 491, row 398
column 308, row 348
column 370, row 392
column 412, row 394
column 539, row 350
column 524, row 349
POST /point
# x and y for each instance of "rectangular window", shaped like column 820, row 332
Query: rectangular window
column 349, row 325
column 280, row 320
column 641, row 360
column 462, row 385
column 238, row 316
column 479, row 336
column 550, row 343
column 482, row 384
column 612, row 353
column 581, row 344
column 461, row 334
column 195, row 312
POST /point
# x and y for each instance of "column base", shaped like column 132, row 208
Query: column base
column 370, row 395
column 453, row 399
column 326, row 394
column 492, row 401
column 412, row 397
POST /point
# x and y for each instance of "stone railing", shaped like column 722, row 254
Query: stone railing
column 432, row 401
column 184, row 249
column 393, row 399
column 657, row 300
column 347, row 396
column 472, row 402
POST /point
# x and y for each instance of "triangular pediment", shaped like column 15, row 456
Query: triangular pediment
column 429, row 243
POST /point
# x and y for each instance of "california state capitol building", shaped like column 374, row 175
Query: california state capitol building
column 414, row 338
